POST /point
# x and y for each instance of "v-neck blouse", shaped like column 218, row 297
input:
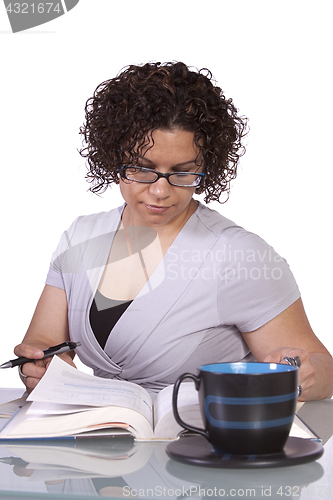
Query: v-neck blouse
column 215, row 281
column 104, row 314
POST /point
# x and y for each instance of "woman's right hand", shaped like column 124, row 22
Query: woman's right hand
column 31, row 373
column 48, row 327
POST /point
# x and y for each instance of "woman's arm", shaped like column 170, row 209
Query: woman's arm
column 48, row 327
column 290, row 334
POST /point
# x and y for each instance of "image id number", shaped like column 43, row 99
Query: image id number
column 34, row 8
column 312, row 491
column 289, row 491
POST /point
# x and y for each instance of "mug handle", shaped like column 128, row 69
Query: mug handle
column 175, row 407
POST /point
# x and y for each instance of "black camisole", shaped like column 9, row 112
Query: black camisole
column 104, row 314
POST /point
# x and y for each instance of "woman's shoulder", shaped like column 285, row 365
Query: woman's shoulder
column 99, row 217
column 96, row 224
column 227, row 231
column 218, row 224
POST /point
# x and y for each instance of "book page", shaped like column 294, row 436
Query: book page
column 26, row 426
column 8, row 395
column 39, row 408
column 302, row 430
column 165, row 424
column 188, row 408
column 187, row 396
column 64, row 384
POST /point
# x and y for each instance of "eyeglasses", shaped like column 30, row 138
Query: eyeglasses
column 148, row 176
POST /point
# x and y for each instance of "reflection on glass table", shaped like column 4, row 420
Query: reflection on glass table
column 119, row 467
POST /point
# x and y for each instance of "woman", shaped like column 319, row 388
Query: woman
column 164, row 284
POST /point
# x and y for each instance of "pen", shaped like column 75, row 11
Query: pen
column 51, row 351
column 14, row 461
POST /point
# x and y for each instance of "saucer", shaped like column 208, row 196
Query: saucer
column 196, row 450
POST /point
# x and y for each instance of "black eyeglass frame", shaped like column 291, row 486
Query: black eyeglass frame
column 160, row 175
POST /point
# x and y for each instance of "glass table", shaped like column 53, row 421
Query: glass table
column 119, row 467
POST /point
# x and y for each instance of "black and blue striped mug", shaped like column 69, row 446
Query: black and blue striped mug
column 247, row 408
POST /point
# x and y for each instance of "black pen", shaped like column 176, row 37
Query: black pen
column 14, row 461
column 51, row 351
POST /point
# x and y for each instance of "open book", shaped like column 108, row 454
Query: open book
column 70, row 403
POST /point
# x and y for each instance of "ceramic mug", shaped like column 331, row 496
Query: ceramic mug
column 247, row 408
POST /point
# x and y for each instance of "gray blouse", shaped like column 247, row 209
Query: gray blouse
column 215, row 281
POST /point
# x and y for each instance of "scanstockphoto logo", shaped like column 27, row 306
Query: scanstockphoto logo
column 25, row 15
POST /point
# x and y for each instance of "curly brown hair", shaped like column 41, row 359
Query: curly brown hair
column 124, row 111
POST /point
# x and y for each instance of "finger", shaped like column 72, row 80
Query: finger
column 31, row 383
column 28, row 351
column 276, row 355
column 287, row 355
column 306, row 372
column 33, row 370
column 31, row 374
column 292, row 360
column 22, row 471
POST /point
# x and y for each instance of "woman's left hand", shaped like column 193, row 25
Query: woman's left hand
column 291, row 327
column 306, row 377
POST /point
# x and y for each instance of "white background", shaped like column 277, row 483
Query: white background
column 274, row 58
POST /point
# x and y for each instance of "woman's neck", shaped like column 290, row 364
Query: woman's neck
column 166, row 233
